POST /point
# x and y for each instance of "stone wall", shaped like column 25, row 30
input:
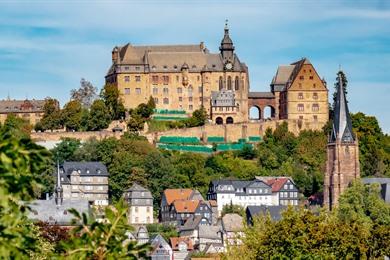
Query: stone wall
column 83, row 136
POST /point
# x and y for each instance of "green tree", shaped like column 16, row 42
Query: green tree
column 231, row 209
column 86, row 94
column 21, row 161
column 18, row 126
column 52, row 118
column 110, row 95
column 135, row 123
column 65, row 150
column 99, row 117
column 198, row 118
column 71, row 115
column 103, row 240
column 166, row 231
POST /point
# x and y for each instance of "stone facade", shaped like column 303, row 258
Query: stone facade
column 179, row 77
column 30, row 110
column 342, row 165
column 85, row 180
column 140, row 203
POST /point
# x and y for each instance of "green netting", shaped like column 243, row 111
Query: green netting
column 186, row 148
column 168, row 118
column 254, row 138
column 242, row 140
column 179, row 140
column 215, row 139
column 167, row 111
column 232, row 146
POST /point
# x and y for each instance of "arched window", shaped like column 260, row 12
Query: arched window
column 229, row 120
column 166, row 101
column 190, row 90
column 220, row 83
column 229, row 83
column 219, row 121
column 237, row 83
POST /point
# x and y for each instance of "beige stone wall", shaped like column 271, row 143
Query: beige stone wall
column 31, row 117
column 309, row 91
column 178, row 89
column 83, row 136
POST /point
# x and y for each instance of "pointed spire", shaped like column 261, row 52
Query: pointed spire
column 58, row 189
column 226, row 27
column 342, row 125
column 227, row 46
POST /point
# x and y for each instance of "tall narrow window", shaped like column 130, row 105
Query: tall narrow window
column 127, row 78
column 315, row 95
column 237, row 83
column 220, row 83
column 229, row 83
column 315, row 107
column 300, row 95
column 300, row 107
column 190, row 90
column 166, row 101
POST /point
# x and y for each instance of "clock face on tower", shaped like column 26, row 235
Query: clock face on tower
column 228, row 66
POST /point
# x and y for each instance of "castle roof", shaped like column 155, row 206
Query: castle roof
column 342, row 124
column 18, row 106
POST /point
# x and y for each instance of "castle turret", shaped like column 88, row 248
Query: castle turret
column 342, row 151
column 227, row 47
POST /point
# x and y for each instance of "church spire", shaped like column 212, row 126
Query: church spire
column 58, row 189
column 342, row 125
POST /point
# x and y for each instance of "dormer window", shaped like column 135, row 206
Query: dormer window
column 165, row 67
column 79, row 171
column 87, row 170
column 98, row 171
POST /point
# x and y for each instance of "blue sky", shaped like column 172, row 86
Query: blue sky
column 46, row 47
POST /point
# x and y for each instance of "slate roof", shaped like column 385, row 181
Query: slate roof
column 261, row 95
column 211, row 232
column 137, row 192
column 18, row 106
column 274, row 211
column 232, row 223
column 48, row 211
column 342, row 123
column 85, row 168
column 283, row 74
column 241, row 185
column 275, row 182
column 191, row 223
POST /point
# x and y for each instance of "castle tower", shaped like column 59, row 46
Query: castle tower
column 342, row 165
column 227, row 47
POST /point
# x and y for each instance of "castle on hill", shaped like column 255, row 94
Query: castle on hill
column 188, row 77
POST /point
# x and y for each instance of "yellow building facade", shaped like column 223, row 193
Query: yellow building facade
column 29, row 110
column 181, row 77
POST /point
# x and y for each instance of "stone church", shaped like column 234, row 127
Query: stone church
column 342, row 165
column 187, row 77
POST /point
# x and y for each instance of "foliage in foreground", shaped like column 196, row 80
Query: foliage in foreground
column 358, row 229
column 106, row 239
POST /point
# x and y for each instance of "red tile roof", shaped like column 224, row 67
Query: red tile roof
column 277, row 183
column 213, row 203
column 177, row 194
column 176, row 240
column 185, row 206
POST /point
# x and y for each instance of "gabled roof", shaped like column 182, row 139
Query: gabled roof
column 17, row 106
column 175, row 241
column 274, row 211
column 232, row 223
column 283, row 74
column 181, row 194
column 85, row 168
column 276, row 182
column 186, row 206
column 191, row 223
column 211, row 232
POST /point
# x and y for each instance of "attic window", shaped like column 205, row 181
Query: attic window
column 98, row 171
column 79, row 171
column 194, row 66
column 175, row 67
column 214, row 66
column 165, row 67
column 153, row 67
column 127, row 68
column 137, row 68
column 87, row 170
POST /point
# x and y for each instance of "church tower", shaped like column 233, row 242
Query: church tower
column 227, row 47
column 342, row 165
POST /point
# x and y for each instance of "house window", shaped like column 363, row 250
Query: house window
column 198, row 78
column 200, row 89
column 179, row 90
column 315, row 118
column 165, row 91
column 229, row 83
column 300, row 107
column 177, row 78
column 166, row 101
column 190, row 90
column 138, row 91
column 127, row 68
column 315, row 107
column 237, row 83
column 165, row 80
column 300, row 95
column 127, row 78
column 180, row 99
column 127, row 91
column 190, row 99
column 156, row 100
column 190, row 107
column 155, row 91
column 315, row 95
column 300, row 117
column 137, row 68
column 137, row 78
column 220, row 83
column 147, row 209
column 155, row 79
column 311, row 77
column 135, row 209
column 301, row 77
